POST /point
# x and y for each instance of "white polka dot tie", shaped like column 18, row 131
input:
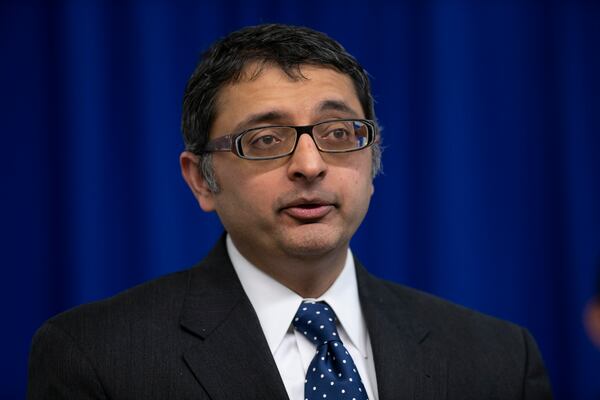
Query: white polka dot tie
column 332, row 374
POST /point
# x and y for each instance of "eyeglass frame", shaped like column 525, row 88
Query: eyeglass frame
column 233, row 141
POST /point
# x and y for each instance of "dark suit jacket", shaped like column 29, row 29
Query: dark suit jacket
column 195, row 335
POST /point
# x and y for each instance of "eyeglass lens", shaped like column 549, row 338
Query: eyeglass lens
column 330, row 136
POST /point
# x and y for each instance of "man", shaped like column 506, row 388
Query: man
column 282, row 142
column 591, row 315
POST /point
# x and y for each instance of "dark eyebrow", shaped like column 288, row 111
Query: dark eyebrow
column 336, row 105
column 269, row 117
column 277, row 117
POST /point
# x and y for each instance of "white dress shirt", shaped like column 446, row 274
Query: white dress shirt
column 276, row 306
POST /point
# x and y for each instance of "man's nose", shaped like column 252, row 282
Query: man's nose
column 306, row 162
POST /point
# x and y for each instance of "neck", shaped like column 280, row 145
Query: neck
column 308, row 276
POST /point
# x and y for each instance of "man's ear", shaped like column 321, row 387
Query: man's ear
column 190, row 169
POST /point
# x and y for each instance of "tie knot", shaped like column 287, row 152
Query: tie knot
column 316, row 320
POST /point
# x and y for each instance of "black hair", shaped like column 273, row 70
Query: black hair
column 288, row 47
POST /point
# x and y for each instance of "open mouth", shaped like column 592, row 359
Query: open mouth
column 310, row 205
column 308, row 212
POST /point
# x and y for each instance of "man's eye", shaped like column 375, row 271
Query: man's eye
column 337, row 134
column 265, row 141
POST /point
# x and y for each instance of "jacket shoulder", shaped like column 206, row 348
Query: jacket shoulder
column 158, row 297
column 485, row 357
column 447, row 316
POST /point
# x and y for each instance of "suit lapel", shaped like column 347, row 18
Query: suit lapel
column 404, row 365
column 231, row 359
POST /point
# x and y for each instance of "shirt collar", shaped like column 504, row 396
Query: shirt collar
column 275, row 304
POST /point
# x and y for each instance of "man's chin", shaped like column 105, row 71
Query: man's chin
column 312, row 242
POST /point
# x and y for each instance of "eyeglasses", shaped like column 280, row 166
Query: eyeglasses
column 269, row 142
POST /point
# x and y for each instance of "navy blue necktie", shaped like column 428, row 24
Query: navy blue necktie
column 332, row 374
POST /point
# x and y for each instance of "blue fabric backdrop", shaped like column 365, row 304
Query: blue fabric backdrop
column 491, row 191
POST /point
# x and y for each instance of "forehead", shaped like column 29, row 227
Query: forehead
column 298, row 100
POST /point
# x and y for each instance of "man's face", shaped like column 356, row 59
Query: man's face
column 305, row 205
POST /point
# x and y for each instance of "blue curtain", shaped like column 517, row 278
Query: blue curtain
column 491, row 190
